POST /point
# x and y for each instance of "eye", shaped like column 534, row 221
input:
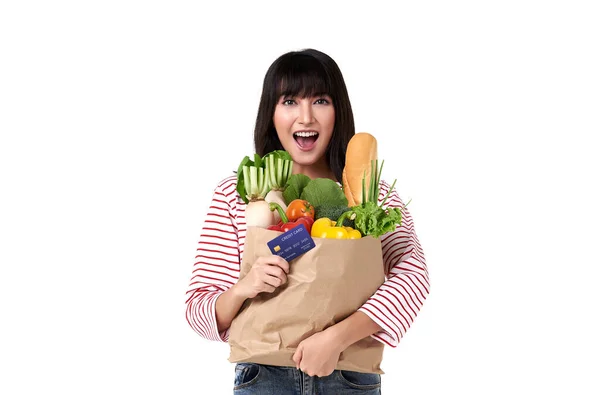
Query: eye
column 322, row 101
column 288, row 102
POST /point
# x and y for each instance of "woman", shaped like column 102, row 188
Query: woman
column 305, row 110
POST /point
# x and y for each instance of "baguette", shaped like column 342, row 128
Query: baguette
column 361, row 150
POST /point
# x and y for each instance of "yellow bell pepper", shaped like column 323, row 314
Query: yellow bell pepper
column 326, row 228
column 353, row 233
column 320, row 226
column 336, row 232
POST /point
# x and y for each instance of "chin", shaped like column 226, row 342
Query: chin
column 306, row 158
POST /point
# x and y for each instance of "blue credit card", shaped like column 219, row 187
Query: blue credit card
column 292, row 244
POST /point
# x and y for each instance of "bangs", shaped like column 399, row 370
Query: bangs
column 302, row 76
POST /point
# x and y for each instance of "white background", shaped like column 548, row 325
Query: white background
column 118, row 118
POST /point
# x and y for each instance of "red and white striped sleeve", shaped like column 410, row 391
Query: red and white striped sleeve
column 217, row 262
column 395, row 305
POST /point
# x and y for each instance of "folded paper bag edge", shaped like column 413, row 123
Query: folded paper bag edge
column 283, row 358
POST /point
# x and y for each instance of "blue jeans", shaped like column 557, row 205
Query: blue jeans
column 255, row 379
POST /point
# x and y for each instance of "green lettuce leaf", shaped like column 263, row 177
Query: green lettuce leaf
column 324, row 191
column 294, row 187
column 372, row 220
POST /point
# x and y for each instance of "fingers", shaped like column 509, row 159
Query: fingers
column 273, row 269
column 268, row 288
column 297, row 358
column 267, row 274
column 274, row 275
column 274, row 260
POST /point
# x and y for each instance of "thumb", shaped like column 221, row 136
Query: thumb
column 298, row 356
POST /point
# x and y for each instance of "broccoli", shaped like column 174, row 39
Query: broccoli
column 333, row 212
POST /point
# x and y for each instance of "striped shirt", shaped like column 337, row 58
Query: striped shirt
column 393, row 307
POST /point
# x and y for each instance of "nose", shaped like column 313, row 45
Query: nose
column 306, row 115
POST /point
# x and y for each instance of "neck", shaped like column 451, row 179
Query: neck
column 316, row 170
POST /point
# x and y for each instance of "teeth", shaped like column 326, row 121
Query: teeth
column 305, row 134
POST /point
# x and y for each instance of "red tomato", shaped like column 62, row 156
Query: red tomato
column 299, row 208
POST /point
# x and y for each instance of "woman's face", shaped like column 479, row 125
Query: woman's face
column 304, row 127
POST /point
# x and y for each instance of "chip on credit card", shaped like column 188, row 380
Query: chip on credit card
column 292, row 244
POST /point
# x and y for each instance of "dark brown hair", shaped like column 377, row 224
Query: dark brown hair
column 304, row 74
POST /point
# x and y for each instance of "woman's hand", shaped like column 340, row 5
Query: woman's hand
column 266, row 275
column 319, row 354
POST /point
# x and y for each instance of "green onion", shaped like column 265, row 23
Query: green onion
column 388, row 194
column 373, row 192
column 364, row 192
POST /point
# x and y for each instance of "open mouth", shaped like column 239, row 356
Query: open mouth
column 306, row 139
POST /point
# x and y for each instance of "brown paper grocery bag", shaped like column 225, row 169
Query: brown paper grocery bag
column 325, row 285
